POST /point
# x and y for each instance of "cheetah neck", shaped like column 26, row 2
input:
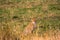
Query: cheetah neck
column 33, row 22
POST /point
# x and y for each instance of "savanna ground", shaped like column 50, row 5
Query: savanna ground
column 16, row 14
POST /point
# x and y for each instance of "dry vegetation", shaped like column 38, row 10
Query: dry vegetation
column 15, row 15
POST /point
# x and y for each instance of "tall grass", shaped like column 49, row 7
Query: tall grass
column 13, row 19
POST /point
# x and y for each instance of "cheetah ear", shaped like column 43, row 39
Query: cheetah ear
column 32, row 18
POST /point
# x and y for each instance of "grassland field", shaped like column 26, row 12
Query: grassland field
column 16, row 14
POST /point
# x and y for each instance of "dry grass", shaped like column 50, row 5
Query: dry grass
column 15, row 16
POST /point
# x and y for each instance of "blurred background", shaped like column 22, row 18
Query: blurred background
column 16, row 14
